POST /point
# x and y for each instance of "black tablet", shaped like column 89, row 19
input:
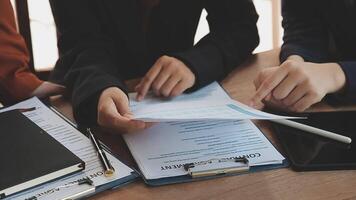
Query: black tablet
column 307, row 151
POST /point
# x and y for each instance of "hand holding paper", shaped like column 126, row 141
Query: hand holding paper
column 209, row 103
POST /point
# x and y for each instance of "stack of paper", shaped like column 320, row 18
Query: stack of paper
column 197, row 127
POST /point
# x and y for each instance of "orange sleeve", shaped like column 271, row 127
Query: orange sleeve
column 16, row 80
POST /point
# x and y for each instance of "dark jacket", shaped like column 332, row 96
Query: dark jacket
column 322, row 31
column 102, row 43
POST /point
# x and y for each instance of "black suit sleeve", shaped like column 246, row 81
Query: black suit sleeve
column 87, row 64
column 304, row 32
column 232, row 38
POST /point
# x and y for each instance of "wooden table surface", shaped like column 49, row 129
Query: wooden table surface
column 274, row 184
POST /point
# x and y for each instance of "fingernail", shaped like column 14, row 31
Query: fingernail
column 139, row 97
column 140, row 124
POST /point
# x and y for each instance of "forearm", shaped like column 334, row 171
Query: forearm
column 232, row 38
column 86, row 73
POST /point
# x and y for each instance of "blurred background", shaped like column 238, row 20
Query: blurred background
column 43, row 32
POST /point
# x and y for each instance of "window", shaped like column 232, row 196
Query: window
column 43, row 33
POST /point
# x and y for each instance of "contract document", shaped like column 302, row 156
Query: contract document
column 208, row 103
column 76, row 142
column 162, row 150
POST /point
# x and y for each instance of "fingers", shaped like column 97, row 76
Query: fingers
column 110, row 118
column 161, row 79
column 167, row 88
column 172, row 78
column 268, row 85
column 147, row 80
column 286, row 86
column 294, row 86
column 114, row 112
column 264, row 74
column 305, row 102
column 295, row 95
column 179, row 89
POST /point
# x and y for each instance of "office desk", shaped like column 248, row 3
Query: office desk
column 275, row 184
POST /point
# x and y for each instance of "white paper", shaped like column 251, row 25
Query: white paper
column 162, row 150
column 208, row 103
column 76, row 142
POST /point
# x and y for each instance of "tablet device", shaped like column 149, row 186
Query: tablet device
column 307, row 151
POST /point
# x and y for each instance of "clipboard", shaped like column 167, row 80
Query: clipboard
column 242, row 169
column 189, row 178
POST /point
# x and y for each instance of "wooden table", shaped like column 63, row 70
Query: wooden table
column 275, row 184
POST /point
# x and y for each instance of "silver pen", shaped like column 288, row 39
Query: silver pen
column 108, row 168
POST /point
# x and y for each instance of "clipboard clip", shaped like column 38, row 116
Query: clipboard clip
column 215, row 167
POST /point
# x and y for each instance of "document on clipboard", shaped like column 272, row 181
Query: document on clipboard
column 201, row 134
column 166, row 149
column 70, row 187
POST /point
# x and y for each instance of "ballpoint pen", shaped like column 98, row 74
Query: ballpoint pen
column 108, row 168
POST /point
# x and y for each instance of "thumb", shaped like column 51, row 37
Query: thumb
column 122, row 103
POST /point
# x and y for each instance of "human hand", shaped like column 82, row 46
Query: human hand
column 296, row 85
column 114, row 112
column 168, row 77
column 48, row 89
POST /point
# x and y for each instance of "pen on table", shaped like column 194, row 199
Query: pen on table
column 313, row 130
column 108, row 168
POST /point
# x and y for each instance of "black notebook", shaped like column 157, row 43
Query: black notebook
column 30, row 156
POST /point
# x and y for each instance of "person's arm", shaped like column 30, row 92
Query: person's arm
column 16, row 80
column 305, row 34
column 90, row 68
column 304, row 76
column 348, row 93
column 232, row 38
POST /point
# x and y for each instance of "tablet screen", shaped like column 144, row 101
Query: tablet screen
column 308, row 151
